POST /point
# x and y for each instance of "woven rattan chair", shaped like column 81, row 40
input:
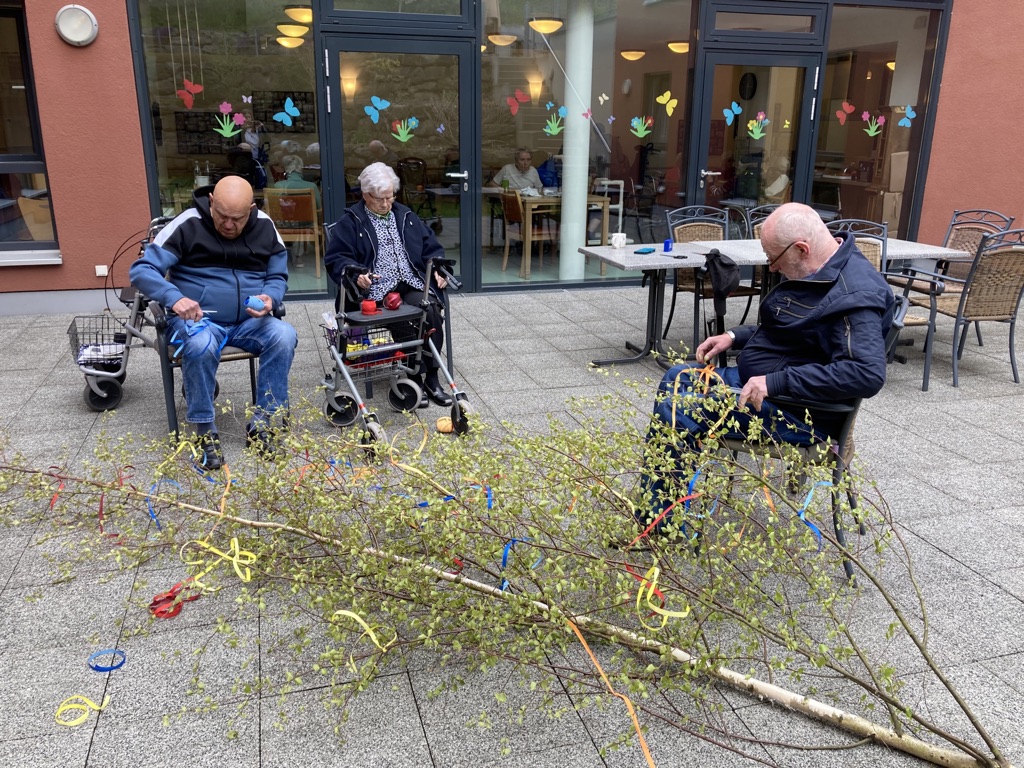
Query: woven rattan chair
column 690, row 224
column 870, row 237
column 991, row 292
column 756, row 217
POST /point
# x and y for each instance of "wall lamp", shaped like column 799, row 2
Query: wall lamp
column 546, row 25
column 76, row 25
column 300, row 13
column 348, row 85
column 679, row 47
column 502, row 39
column 632, row 55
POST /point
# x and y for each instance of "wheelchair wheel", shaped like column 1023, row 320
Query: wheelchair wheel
column 404, row 395
column 111, row 398
column 340, row 410
column 461, row 411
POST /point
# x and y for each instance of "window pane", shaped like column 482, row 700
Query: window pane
column 875, row 93
column 233, row 93
column 440, row 7
column 25, row 208
column 15, row 126
column 764, row 22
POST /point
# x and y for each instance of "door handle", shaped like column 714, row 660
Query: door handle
column 463, row 175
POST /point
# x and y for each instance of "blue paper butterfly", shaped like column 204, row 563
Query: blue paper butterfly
column 374, row 108
column 550, row 104
column 731, row 112
column 905, row 121
column 440, row 128
column 290, row 111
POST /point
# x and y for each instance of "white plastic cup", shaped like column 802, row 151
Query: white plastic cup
column 618, row 240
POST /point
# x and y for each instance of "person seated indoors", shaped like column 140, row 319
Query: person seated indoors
column 293, row 178
column 391, row 246
column 777, row 180
column 203, row 267
column 820, row 336
column 520, row 174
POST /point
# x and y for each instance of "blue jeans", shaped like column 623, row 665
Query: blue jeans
column 271, row 339
column 693, row 422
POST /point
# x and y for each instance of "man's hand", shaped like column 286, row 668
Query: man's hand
column 713, row 346
column 187, row 309
column 754, row 392
column 365, row 280
column 268, row 303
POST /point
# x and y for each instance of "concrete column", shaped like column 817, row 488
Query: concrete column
column 579, row 59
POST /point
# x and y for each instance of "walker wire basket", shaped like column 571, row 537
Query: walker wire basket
column 97, row 341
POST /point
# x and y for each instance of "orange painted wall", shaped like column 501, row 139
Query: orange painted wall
column 977, row 160
column 89, row 115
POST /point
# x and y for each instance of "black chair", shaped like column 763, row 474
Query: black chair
column 640, row 206
column 412, row 173
column 841, row 444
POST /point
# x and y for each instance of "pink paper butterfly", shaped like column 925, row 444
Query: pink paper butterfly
column 587, row 114
column 842, row 113
column 187, row 95
column 513, row 103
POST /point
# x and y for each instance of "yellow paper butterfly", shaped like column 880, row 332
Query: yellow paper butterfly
column 668, row 101
column 602, row 98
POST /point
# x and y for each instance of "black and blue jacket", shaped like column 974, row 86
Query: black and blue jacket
column 189, row 258
column 822, row 337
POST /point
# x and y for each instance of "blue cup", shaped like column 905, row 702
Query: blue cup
column 668, row 246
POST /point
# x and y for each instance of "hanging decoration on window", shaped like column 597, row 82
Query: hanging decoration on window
column 588, row 114
column 874, row 123
column 554, row 126
column 602, row 98
column 905, row 121
column 514, row 101
column 229, row 126
column 731, row 111
column 755, row 127
column 668, row 101
column 440, row 128
column 188, row 93
column 847, row 109
column 402, row 129
column 285, row 116
column 190, row 51
column 641, row 126
column 375, row 107
column 611, row 119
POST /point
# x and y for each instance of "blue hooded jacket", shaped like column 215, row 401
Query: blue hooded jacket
column 189, row 258
column 822, row 337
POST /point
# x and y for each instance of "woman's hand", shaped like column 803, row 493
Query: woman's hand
column 442, row 282
column 365, row 280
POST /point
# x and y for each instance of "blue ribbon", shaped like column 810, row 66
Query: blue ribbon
column 117, row 661
column 803, row 510
column 689, row 491
column 149, row 499
column 504, row 560
column 194, row 327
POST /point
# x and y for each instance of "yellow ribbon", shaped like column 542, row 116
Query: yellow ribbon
column 367, row 630
column 240, row 560
column 649, row 588
column 81, row 703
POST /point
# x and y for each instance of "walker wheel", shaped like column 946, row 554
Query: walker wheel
column 111, row 397
column 404, row 395
column 111, row 368
column 340, row 410
column 461, row 411
column 372, row 438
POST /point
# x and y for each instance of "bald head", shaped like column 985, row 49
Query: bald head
column 230, row 205
column 796, row 240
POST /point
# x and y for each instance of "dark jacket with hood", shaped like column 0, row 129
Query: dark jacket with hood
column 822, row 337
column 204, row 266
column 354, row 241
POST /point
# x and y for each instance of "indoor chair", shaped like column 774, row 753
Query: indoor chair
column 516, row 228
column 841, row 444
column 412, row 173
column 640, row 206
column 38, row 218
column 296, row 217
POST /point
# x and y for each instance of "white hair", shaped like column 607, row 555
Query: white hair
column 378, row 179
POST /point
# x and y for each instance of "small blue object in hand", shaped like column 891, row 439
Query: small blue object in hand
column 255, row 303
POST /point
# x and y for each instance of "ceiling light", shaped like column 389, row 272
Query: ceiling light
column 502, row 39
column 681, row 47
column 76, row 25
column 300, row 13
column 632, row 55
column 546, row 25
column 292, row 30
column 290, row 42
column 891, row 65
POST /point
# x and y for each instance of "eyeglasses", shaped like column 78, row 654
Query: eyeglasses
column 772, row 262
column 385, row 199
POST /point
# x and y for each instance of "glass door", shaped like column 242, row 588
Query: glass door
column 754, row 130
column 400, row 102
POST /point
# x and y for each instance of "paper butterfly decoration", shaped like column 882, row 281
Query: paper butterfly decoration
column 730, row 112
column 550, row 105
column 247, row 99
column 515, row 101
column 602, row 98
column 905, row 121
column 846, row 110
column 290, row 111
column 587, row 114
column 670, row 103
column 187, row 95
column 440, row 128
column 375, row 107
column 611, row 119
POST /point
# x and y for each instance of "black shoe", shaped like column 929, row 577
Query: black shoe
column 436, row 394
column 209, row 454
column 261, row 440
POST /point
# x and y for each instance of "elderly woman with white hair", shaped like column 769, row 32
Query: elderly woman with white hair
column 391, row 246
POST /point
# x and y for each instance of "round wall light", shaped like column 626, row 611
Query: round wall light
column 290, row 42
column 679, row 47
column 292, row 30
column 502, row 39
column 76, row 25
column 300, row 13
column 632, row 55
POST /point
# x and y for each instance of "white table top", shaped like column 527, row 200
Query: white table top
column 907, row 249
column 690, row 256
